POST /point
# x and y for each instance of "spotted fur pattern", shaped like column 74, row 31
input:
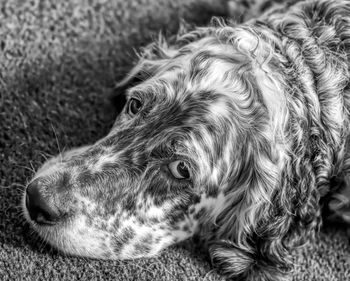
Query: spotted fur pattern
column 259, row 112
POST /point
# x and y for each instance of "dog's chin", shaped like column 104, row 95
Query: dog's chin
column 72, row 237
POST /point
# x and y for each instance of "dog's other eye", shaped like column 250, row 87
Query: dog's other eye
column 179, row 169
column 134, row 106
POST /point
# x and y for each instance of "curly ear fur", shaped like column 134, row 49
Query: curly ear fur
column 277, row 211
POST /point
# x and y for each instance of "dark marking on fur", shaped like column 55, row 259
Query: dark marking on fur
column 84, row 178
column 212, row 191
column 63, row 183
column 119, row 241
column 200, row 213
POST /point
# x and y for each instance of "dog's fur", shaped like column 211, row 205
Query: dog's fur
column 258, row 112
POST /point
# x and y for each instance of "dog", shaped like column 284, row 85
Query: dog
column 235, row 133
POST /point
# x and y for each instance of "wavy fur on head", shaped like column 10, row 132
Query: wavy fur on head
column 292, row 120
column 260, row 114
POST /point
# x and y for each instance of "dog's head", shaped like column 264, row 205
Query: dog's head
column 198, row 148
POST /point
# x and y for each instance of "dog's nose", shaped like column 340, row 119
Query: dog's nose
column 38, row 208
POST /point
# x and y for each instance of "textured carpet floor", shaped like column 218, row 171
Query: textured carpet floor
column 59, row 61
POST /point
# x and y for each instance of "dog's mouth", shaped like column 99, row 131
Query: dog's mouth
column 119, row 236
column 77, row 234
column 72, row 236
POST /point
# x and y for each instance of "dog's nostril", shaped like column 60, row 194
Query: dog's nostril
column 38, row 208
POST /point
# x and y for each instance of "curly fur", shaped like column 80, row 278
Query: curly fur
column 260, row 110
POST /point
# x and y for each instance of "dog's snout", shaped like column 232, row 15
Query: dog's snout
column 39, row 209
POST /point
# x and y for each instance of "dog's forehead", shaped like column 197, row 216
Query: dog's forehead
column 197, row 88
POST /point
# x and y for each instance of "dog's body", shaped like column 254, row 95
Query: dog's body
column 236, row 134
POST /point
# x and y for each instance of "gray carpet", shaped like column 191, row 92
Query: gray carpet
column 59, row 61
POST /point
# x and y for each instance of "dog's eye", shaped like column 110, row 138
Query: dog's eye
column 134, row 106
column 179, row 169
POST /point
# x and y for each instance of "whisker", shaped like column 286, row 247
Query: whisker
column 31, row 165
column 31, row 169
column 43, row 155
column 57, row 142
column 19, row 186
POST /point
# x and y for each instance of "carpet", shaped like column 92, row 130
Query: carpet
column 59, row 61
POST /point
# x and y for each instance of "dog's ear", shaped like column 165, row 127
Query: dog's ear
column 272, row 208
column 272, row 204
